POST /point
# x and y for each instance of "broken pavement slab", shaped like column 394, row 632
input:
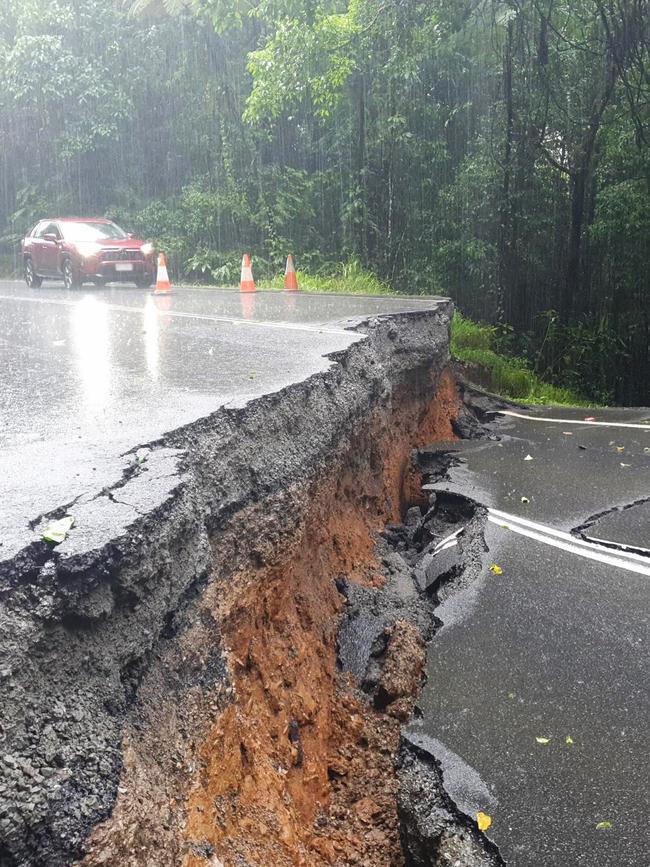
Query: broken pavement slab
column 622, row 527
column 134, row 370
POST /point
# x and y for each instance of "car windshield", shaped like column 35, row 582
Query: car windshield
column 92, row 232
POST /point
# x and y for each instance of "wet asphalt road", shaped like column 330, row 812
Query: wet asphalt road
column 88, row 375
column 555, row 647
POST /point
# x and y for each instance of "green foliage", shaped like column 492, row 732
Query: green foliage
column 10, row 266
column 579, row 356
column 497, row 152
column 348, row 278
column 469, row 335
column 208, row 266
column 300, row 62
column 473, row 345
column 171, row 7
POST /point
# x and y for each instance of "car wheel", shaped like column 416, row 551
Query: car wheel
column 100, row 281
column 70, row 277
column 31, row 277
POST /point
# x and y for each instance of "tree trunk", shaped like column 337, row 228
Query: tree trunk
column 504, row 302
column 362, row 224
column 581, row 177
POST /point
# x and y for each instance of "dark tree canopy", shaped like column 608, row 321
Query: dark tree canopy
column 495, row 151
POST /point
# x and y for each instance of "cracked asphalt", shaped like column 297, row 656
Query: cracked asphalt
column 555, row 646
column 88, row 376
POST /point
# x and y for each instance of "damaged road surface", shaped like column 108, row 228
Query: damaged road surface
column 536, row 703
column 169, row 686
column 219, row 663
column 88, row 377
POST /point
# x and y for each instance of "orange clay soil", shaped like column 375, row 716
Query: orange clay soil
column 294, row 767
column 299, row 769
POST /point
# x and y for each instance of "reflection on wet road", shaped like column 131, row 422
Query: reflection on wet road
column 86, row 376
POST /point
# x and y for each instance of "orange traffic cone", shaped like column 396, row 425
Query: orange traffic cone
column 290, row 279
column 163, row 286
column 246, row 284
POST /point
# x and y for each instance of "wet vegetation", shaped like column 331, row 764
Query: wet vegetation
column 483, row 352
column 495, row 151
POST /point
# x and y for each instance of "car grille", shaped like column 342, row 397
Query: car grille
column 122, row 255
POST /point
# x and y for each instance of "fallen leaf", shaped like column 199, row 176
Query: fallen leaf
column 525, row 500
column 567, row 433
column 529, row 458
column 603, row 826
column 620, row 449
column 590, row 418
column 543, row 741
column 512, row 695
column 626, row 465
column 496, row 570
column 647, row 451
column 56, row 531
column 483, row 821
column 568, row 740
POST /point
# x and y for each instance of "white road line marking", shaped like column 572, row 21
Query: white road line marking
column 447, row 542
column 574, row 421
column 554, row 538
column 270, row 293
column 452, row 543
column 505, row 517
column 286, row 326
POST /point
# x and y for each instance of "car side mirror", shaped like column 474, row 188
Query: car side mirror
column 50, row 236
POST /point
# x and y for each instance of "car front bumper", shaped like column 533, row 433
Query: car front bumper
column 119, row 271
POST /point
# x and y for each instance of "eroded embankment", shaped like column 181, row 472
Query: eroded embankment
column 177, row 687
column 296, row 768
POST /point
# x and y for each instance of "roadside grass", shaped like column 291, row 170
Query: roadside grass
column 472, row 345
column 349, row 278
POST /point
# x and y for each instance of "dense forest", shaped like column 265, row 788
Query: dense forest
column 495, row 151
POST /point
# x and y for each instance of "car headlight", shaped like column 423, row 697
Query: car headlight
column 88, row 250
column 146, row 249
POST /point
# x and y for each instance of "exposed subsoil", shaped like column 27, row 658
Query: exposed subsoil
column 113, row 669
column 298, row 769
column 231, row 691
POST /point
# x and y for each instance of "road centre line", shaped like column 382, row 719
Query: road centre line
column 286, row 326
column 565, row 542
column 573, row 421
column 560, row 534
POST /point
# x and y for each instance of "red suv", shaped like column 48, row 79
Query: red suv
column 77, row 251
